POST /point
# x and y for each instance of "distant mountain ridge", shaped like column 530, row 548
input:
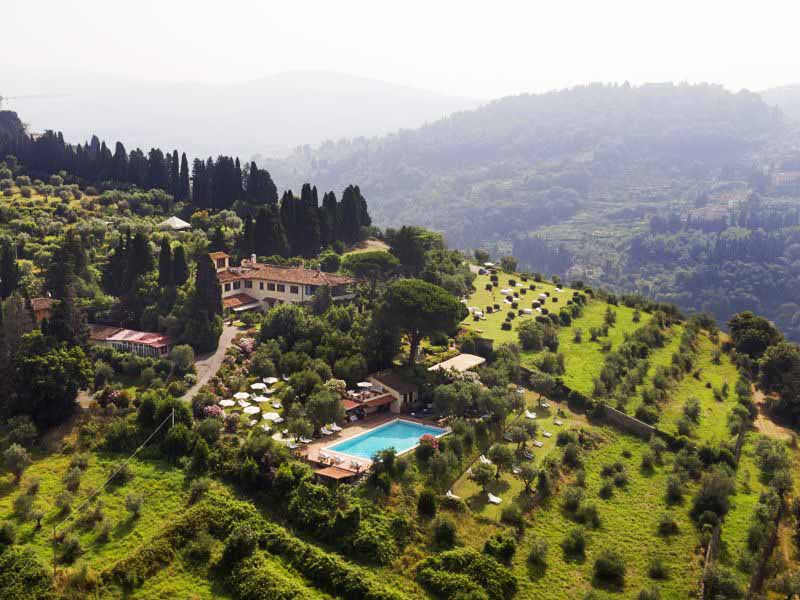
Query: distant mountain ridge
column 268, row 116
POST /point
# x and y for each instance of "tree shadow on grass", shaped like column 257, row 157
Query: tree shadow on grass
column 608, row 585
column 536, row 570
column 7, row 486
column 124, row 527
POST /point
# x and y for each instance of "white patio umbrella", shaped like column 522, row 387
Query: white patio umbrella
column 243, row 403
column 226, row 403
column 270, row 391
column 270, row 380
column 258, row 386
column 241, row 395
column 251, row 410
column 260, row 399
column 270, row 416
column 364, row 385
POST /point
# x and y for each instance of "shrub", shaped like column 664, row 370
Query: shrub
column 501, row 546
column 512, row 515
column 606, row 491
column 649, row 593
column 241, row 543
column 70, row 549
column 198, row 549
column 610, row 568
column 573, row 496
column 7, row 535
column 133, row 504
column 23, row 506
column 198, row 488
column 574, row 544
column 621, row 479
column 444, row 533
column 667, row 525
column 588, row 515
column 426, row 505
column 648, row 462
column 674, row 489
column 656, row 569
column 538, row 554
column 63, row 502
column 72, row 479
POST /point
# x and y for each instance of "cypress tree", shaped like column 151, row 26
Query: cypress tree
column 270, row 237
column 207, row 293
column 217, row 242
column 180, row 269
column 165, row 267
column 9, row 270
column 183, row 183
column 329, row 219
column 174, row 175
column 246, row 242
column 68, row 321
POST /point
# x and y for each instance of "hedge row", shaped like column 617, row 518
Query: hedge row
column 259, row 578
column 466, row 571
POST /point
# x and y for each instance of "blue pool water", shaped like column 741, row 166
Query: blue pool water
column 398, row 434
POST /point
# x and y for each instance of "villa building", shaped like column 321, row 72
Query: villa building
column 400, row 394
column 141, row 343
column 256, row 286
column 42, row 308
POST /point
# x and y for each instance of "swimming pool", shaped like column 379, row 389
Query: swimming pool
column 399, row 434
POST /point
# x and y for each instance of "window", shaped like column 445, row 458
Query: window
column 281, row 287
column 248, row 284
column 294, row 289
column 237, row 285
column 220, row 263
column 271, row 287
column 310, row 289
column 227, row 287
column 261, row 285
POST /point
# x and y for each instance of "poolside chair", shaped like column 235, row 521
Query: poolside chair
column 516, row 470
column 484, row 460
column 528, row 455
column 529, row 414
column 452, row 496
column 558, row 422
column 547, row 434
column 334, row 427
column 305, row 440
column 538, row 444
column 494, row 499
column 545, row 405
column 293, row 446
column 325, row 431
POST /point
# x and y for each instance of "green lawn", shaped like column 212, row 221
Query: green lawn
column 161, row 485
column 713, row 414
column 509, row 487
column 628, row 526
column 584, row 359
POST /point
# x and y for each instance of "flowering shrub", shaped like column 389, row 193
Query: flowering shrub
column 247, row 344
column 214, row 412
column 429, row 440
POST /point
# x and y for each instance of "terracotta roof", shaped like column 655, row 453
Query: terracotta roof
column 392, row 380
column 294, row 275
column 334, row 473
column 349, row 404
column 100, row 333
column 41, row 303
column 380, row 400
column 216, row 255
column 238, row 300
column 148, row 338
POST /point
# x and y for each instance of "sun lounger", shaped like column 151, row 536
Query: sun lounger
column 547, row 434
column 484, row 460
column 528, row 455
column 538, row 444
column 545, row 405
column 335, row 427
column 450, row 494
column 325, row 431
column 529, row 414
column 292, row 446
column 507, row 437
column 516, row 470
column 494, row 499
column 558, row 422
column 279, row 420
column 277, row 405
column 305, row 440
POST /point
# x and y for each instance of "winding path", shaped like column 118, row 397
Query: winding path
column 208, row 364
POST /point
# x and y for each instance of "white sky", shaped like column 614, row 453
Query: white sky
column 479, row 49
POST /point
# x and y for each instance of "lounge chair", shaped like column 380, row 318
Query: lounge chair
column 528, row 454
column 558, row 422
column 529, row 414
column 494, row 499
column 516, row 470
column 450, row 494
column 484, row 460
column 305, row 440
column 279, row 420
column 277, row 405
column 545, row 405
column 323, row 457
column 538, row 444
column 325, row 431
column 547, row 434
column 335, row 427
column 507, row 437
column 293, row 446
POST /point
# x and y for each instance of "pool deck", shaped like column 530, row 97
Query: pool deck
column 349, row 462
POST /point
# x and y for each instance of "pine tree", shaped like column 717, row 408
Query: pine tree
column 180, row 269
column 165, row 268
column 183, row 183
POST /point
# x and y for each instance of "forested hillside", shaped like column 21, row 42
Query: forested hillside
column 664, row 189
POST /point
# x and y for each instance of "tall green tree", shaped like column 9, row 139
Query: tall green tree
column 418, row 309
column 183, row 180
column 180, row 268
column 67, row 323
column 9, row 270
column 166, row 271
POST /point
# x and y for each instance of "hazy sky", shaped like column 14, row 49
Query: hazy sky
column 478, row 49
